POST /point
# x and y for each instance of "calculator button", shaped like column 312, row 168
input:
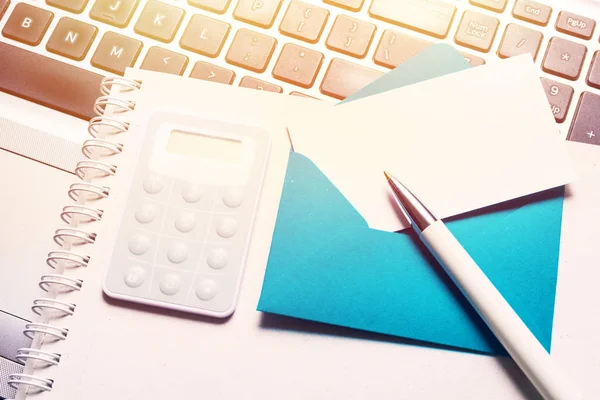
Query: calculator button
column 206, row 289
column 233, row 197
column 227, row 227
column 139, row 244
column 192, row 193
column 185, row 222
column 135, row 276
column 145, row 214
column 217, row 258
column 177, row 253
column 170, row 284
column 153, row 184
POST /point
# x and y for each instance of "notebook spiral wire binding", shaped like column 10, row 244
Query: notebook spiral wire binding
column 73, row 239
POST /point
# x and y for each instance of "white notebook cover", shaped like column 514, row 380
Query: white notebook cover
column 117, row 350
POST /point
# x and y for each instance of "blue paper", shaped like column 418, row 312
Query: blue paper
column 326, row 265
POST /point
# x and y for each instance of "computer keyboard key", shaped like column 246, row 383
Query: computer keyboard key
column 492, row 5
column 298, row 94
column 216, row 6
column 351, row 36
column 257, row 12
column 575, row 25
column 476, row 31
column 559, row 96
column 113, row 12
column 251, row 50
column 350, row 5
column 298, row 65
column 27, row 24
column 212, row 73
column 116, row 52
column 473, row 60
column 593, row 78
column 304, row 21
column 253, row 83
column 344, row 78
column 163, row 60
column 532, row 11
column 71, row 38
column 519, row 40
column 585, row 127
column 159, row 21
column 432, row 17
column 3, row 6
column 49, row 82
column 74, row 6
column 205, row 35
column 564, row 58
column 394, row 48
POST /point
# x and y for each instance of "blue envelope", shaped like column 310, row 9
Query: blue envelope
column 327, row 265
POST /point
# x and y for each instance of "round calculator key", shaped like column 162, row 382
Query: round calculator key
column 177, row 253
column 145, row 214
column 139, row 244
column 192, row 193
column 233, row 197
column 135, row 276
column 227, row 227
column 185, row 222
column 217, row 258
column 153, row 184
column 170, row 284
column 206, row 289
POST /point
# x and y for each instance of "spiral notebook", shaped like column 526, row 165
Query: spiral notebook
column 90, row 344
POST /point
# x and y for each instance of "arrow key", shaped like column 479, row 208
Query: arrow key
column 162, row 60
column 209, row 72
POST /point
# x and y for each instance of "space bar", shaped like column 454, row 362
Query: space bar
column 48, row 82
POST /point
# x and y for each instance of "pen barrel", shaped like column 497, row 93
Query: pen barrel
column 506, row 324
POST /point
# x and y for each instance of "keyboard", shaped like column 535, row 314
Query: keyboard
column 55, row 53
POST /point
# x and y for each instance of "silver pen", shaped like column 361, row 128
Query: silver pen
column 506, row 324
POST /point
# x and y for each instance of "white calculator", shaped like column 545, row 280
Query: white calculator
column 187, row 223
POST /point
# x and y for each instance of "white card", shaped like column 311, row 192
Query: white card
column 459, row 142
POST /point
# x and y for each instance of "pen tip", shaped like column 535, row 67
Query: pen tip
column 388, row 176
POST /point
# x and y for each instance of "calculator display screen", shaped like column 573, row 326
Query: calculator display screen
column 201, row 146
